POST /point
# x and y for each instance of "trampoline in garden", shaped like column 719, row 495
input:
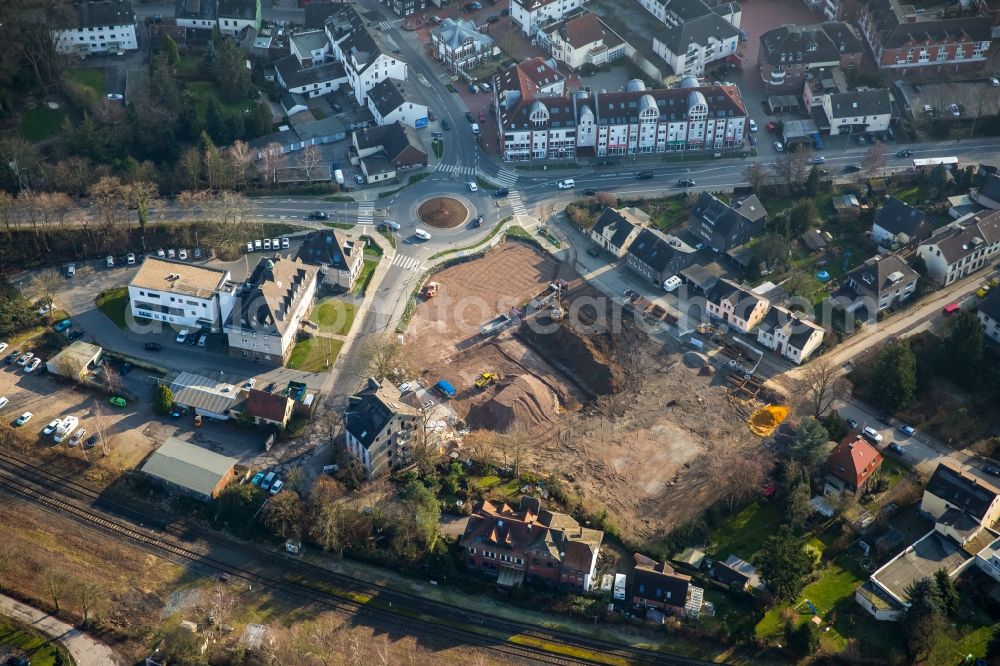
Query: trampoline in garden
column 823, row 275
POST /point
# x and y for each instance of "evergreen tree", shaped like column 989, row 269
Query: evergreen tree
column 230, row 71
column 924, row 618
column 895, row 373
column 811, row 186
column 964, row 350
column 170, row 50
column 208, row 60
column 810, row 436
column 946, row 590
column 258, row 121
column 784, row 565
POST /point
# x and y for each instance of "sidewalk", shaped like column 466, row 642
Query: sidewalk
column 85, row 650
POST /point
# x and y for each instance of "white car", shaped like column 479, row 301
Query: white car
column 421, row 234
column 872, row 434
column 567, row 184
column 182, row 336
column 44, row 310
column 284, row 243
column 277, row 486
column 183, row 254
column 778, row 148
column 32, row 365
column 130, row 259
column 77, row 437
column 473, row 187
column 267, row 243
column 671, row 283
column 819, row 159
column 275, row 243
column 171, row 253
column 65, row 428
column 4, row 401
column 251, row 382
column 3, row 347
column 753, row 125
column 160, row 253
column 51, row 427
column 23, row 418
column 109, row 262
column 249, row 246
column 257, row 245
column 23, row 361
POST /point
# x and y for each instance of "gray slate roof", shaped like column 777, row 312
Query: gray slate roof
column 990, row 307
column 387, row 95
column 698, row 31
column 294, row 75
column 860, row 103
column 898, row 217
column 823, row 42
column 959, row 242
column 724, row 218
column 206, row 10
column 970, row 494
column 188, row 466
column 621, row 226
column 895, row 31
column 372, row 408
column 873, row 276
column 97, row 13
column 654, row 249
column 456, row 33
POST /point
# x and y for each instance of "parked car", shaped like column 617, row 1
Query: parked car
column 11, row 357
column 852, row 424
column 330, row 469
column 181, row 336
column 468, row 116
column 644, row 175
column 171, row 253
column 251, row 383
column 594, row 252
column 270, row 387
column 277, row 486
column 267, row 243
column 4, row 402
column 3, row 347
column 130, row 258
column 118, row 401
column 862, row 141
column 257, row 478
column 772, row 128
column 24, row 359
column 160, row 253
column 492, row 19
column 284, row 242
column 32, row 365
column 871, row 434
column 51, row 427
column 258, row 245
column 359, row 179
column 91, row 441
column 125, row 369
column 109, row 262
column 818, row 159
column 152, row 346
column 906, row 429
column 317, row 215
column 778, row 148
column 897, row 449
column 267, row 481
column 885, row 419
column 23, row 418
column 77, row 437
column 71, row 270
column 992, row 469
column 74, row 334
column 63, row 325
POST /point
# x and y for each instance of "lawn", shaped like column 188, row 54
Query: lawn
column 744, row 533
column 41, row 123
column 367, row 271
column 113, row 303
column 335, row 316
column 190, row 65
column 314, row 354
column 91, row 77
column 36, row 647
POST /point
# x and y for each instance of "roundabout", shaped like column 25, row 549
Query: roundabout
column 442, row 212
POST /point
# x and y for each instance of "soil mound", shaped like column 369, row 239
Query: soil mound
column 523, row 401
column 442, row 212
column 584, row 358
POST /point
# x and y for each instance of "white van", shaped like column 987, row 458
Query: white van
column 567, row 184
column 202, row 340
column 671, row 283
column 475, row 128
column 338, row 175
column 421, row 234
column 109, row 262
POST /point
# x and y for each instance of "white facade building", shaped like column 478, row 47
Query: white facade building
column 181, row 294
column 691, row 46
column 530, row 15
column 962, row 248
column 390, row 100
column 235, row 15
column 359, row 48
column 857, row 111
column 98, row 26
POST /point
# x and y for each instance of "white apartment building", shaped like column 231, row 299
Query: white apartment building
column 265, row 319
column 98, row 26
column 390, row 101
column 962, row 248
column 359, row 48
column 181, row 294
column 789, row 334
column 857, row 112
column 583, row 40
column 530, row 15
column 235, row 15
column 636, row 121
column 989, row 316
column 692, row 45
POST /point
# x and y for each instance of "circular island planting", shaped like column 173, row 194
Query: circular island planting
column 442, row 212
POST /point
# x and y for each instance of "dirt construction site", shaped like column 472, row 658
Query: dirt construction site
column 617, row 414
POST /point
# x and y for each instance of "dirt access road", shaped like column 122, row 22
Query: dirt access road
column 611, row 412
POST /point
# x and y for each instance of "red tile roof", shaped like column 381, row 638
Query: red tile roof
column 854, row 460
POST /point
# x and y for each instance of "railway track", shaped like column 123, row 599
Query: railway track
column 30, row 482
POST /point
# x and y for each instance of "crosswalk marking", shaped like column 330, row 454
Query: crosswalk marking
column 385, row 25
column 406, row 263
column 516, row 205
column 366, row 209
column 460, row 170
column 507, row 178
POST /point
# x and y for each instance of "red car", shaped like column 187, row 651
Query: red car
column 771, row 127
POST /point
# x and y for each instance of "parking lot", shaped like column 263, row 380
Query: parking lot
column 974, row 99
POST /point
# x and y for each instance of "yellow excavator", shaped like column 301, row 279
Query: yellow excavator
column 486, row 379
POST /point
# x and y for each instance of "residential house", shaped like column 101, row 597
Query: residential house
column 987, row 195
column 736, row 573
column 851, row 465
column 693, row 45
column 616, row 229
column 856, row 112
column 898, row 223
column 832, row 10
column 379, row 428
column 384, row 151
column 459, row 45
column 95, row 26
column 203, row 14
column 792, row 53
column 953, row 489
column 880, row 283
column 317, row 78
column 405, row 7
column 532, row 77
column 962, row 248
column 530, row 15
column 268, row 407
column 531, row 542
column 989, row 315
column 359, row 47
column 657, row 585
column 674, row 13
column 275, row 298
column 740, row 308
column 310, row 47
column 657, row 256
column 181, row 294
column 790, row 334
column 902, row 40
column 636, row 121
column 722, row 226
column 339, row 257
column 236, row 15
column 390, row 101
column 582, row 40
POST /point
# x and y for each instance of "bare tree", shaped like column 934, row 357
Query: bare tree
column 109, row 197
column 874, row 159
column 481, row 445
column 143, row 194
column 215, row 167
column 189, row 167
column 823, row 383
column 87, row 594
column 240, row 158
column 756, row 175
column 515, row 442
column 271, row 159
column 791, row 168
column 46, row 285
column 383, row 356
column 309, row 159
column 55, row 582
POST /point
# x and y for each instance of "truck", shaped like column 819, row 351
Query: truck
column 430, row 290
column 338, row 175
column 547, row 295
column 495, row 325
column 446, row 389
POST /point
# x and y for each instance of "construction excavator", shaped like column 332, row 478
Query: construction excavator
column 486, row 379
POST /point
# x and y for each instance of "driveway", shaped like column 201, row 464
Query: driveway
column 85, row 650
